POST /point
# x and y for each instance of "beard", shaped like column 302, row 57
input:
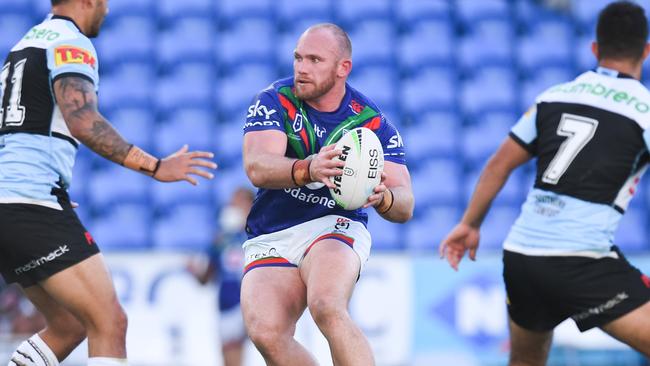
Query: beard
column 312, row 91
column 96, row 26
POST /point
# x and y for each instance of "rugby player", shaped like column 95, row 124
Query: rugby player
column 590, row 137
column 303, row 250
column 49, row 84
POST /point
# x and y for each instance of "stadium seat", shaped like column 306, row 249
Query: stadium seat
column 372, row 41
column 585, row 59
column 415, row 10
column 488, row 89
column 188, row 85
column 548, row 43
column 430, row 134
column 481, row 138
column 230, row 176
column 187, row 227
column 385, row 235
column 378, row 83
column 432, row 88
column 167, row 197
column 228, row 139
column 169, row 9
column 113, row 184
column 248, row 40
column 469, row 11
column 14, row 27
column 513, row 192
column 541, row 80
column 497, row 225
column 444, row 175
column 235, row 90
column 129, row 7
column 127, row 38
column 293, row 10
column 632, row 233
column 353, row 11
column 123, row 227
column 18, row 6
column 426, row 231
column 128, row 85
column 232, row 11
column 586, row 11
column 429, row 41
column 187, row 39
column 195, row 127
column 136, row 124
column 487, row 42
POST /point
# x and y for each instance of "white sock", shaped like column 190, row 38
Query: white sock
column 106, row 361
column 33, row 352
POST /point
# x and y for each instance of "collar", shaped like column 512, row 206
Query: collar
column 613, row 73
column 68, row 19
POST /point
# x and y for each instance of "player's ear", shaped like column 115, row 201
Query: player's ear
column 344, row 68
column 646, row 51
column 594, row 49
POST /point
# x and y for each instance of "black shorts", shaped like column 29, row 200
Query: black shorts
column 37, row 241
column 544, row 291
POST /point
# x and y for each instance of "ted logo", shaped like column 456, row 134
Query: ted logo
column 73, row 55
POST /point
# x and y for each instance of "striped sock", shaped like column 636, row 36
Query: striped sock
column 33, row 352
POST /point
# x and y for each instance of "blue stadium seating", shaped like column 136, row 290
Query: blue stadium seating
column 121, row 7
column 541, row 80
column 231, row 49
column 429, row 41
column 354, row 11
column 413, row 10
column 377, row 83
column 489, row 88
column 228, row 140
column 496, row 226
column 127, row 85
column 431, row 134
column 172, row 8
column 470, row 11
column 234, row 91
column 192, row 126
column 123, row 227
column 632, row 234
column 437, row 181
column 385, row 235
column 103, row 192
column 14, row 27
column 120, row 43
column 187, row 39
column 188, row 85
column 187, row 227
column 548, row 42
column 136, row 124
column 487, row 42
column 429, row 89
column 430, row 227
column 235, row 10
column 372, row 40
column 481, row 138
column 290, row 11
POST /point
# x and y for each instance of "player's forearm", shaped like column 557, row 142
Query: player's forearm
column 270, row 171
column 490, row 183
column 401, row 207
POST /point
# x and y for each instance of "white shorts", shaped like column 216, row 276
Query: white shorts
column 231, row 326
column 288, row 247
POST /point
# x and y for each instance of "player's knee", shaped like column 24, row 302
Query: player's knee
column 268, row 338
column 327, row 312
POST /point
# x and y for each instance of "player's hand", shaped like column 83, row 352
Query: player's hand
column 322, row 166
column 74, row 204
column 183, row 164
column 463, row 237
column 378, row 195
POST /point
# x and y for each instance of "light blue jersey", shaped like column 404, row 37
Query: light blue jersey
column 37, row 150
column 590, row 137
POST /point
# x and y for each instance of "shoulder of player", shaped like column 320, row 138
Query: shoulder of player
column 51, row 33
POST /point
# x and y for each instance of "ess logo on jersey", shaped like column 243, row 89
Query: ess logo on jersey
column 73, row 55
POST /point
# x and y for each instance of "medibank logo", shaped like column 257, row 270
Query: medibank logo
column 38, row 262
column 73, row 55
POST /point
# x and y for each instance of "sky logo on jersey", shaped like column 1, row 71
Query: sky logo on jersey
column 64, row 55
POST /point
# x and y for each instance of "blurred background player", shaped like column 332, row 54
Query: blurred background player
column 49, row 85
column 225, row 267
column 303, row 250
column 590, row 137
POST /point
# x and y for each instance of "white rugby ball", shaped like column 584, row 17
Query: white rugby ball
column 364, row 163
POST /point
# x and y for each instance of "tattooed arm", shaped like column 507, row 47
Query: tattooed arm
column 77, row 101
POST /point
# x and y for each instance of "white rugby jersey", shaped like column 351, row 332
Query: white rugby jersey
column 37, row 150
column 591, row 138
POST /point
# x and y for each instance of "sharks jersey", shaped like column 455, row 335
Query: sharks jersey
column 37, row 150
column 276, row 108
column 591, row 138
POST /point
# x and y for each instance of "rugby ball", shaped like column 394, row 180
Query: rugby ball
column 364, row 163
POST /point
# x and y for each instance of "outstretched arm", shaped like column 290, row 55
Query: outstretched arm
column 465, row 236
column 77, row 101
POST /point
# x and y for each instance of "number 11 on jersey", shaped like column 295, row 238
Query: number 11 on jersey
column 579, row 131
column 15, row 113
